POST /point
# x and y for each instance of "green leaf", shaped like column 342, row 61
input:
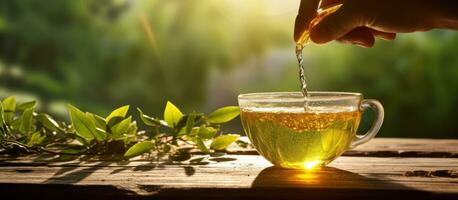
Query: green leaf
column 121, row 128
column 223, row 141
column 15, row 124
column 82, row 141
column 150, row 121
column 48, row 122
column 172, row 115
column 201, row 145
column 100, row 122
column 26, row 120
column 206, row 132
column 85, row 125
column 139, row 148
column 224, row 114
column 242, row 143
column 182, row 123
column 132, row 130
column 36, row 139
column 146, row 119
column 81, row 123
column 9, row 106
column 117, row 115
column 190, row 122
column 26, row 105
column 194, row 132
column 181, row 132
column 99, row 133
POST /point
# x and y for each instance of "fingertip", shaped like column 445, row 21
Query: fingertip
column 390, row 36
column 361, row 36
column 367, row 42
column 318, row 36
column 332, row 26
column 384, row 35
column 365, row 45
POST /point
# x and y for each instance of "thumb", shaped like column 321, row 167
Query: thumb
column 334, row 26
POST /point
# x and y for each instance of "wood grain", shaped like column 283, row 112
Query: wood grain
column 390, row 147
column 238, row 172
column 238, row 176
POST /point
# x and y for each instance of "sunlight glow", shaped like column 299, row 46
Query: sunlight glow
column 311, row 164
column 148, row 29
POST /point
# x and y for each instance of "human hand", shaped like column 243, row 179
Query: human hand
column 359, row 21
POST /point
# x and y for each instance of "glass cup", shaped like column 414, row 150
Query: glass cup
column 296, row 132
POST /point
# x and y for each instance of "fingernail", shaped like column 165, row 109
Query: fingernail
column 361, row 44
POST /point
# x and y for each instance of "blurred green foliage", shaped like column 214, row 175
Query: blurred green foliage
column 99, row 54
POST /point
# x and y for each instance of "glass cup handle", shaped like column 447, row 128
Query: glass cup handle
column 379, row 114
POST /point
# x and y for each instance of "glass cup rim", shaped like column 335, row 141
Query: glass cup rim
column 314, row 96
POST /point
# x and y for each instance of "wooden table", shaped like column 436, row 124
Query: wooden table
column 381, row 169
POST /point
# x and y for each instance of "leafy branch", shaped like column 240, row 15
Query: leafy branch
column 24, row 129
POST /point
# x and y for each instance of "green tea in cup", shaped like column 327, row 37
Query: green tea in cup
column 296, row 132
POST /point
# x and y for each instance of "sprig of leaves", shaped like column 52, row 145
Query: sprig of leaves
column 24, row 129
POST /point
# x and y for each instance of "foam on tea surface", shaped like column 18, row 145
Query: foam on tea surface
column 295, row 138
column 310, row 110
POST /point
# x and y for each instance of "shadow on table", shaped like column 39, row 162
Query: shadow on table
column 80, row 168
column 270, row 183
column 73, row 169
column 331, row 183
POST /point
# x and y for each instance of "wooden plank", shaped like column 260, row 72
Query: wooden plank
column 404, row 147
column 385, row 167
column 407, row 144
column 391, row 147
column 244, row 174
